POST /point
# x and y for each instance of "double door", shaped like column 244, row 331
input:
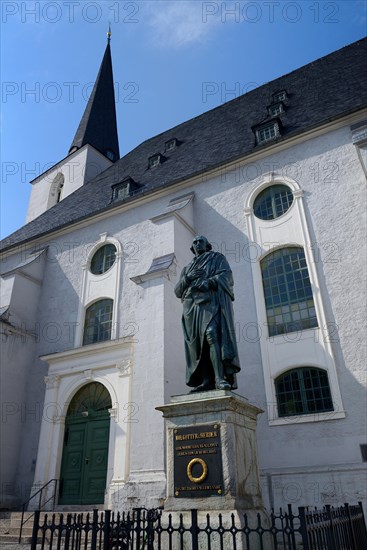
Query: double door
column 84, row 460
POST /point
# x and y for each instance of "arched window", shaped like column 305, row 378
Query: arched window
column 56, row 189
column 288, row 293
column 91, row 398
column 103, row 259
column 98, row 322
column 272, row 202
column 304, row 390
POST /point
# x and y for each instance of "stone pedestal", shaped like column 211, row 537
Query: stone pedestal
column 222, row 416
column 212, row 458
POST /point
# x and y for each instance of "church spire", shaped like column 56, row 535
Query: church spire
column 98, row 125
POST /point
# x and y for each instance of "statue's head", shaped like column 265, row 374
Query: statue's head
column 200, row 244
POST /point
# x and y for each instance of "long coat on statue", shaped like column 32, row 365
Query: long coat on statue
column 210, row 307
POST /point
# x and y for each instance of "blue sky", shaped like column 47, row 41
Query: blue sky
column 172, row 61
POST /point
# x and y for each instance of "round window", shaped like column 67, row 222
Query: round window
column 103, row 259
column 273, row 202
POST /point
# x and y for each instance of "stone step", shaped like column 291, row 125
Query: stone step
column 16, row 517
column 12, row 538
column 10, row 522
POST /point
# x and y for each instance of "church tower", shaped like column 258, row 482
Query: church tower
column 94, row 148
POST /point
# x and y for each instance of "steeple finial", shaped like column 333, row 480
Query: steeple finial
column 109, row 33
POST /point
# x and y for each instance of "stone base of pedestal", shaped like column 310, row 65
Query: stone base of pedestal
column 211, row 453
column 142, row 490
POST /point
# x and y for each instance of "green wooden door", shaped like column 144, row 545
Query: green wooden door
column 84, row 461
column 95, row 461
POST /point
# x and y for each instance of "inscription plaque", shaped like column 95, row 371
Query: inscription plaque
column 197, row 459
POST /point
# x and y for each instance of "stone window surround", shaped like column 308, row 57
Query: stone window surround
column 320, row 337
column 105, row 285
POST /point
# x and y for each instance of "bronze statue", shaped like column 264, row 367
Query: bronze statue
column 206, row 291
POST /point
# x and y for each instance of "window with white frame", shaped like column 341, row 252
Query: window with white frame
column 103, row 259
column 272, row 202
column 267, row 133
column 279, row 96
column 276, row 109
column 155, row 160
column 98, row 322
column 287, row 291
column 304, row 390
column 171, row 144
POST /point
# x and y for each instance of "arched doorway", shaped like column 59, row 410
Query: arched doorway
column 85, row 451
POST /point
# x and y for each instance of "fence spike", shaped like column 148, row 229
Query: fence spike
column 35, row 529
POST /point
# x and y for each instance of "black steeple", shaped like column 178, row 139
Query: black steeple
column 98, row 125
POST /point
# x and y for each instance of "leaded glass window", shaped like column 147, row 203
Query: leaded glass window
column 288, row 292
column 304, row 390
column 98, row 322
column 273, row 202
column 103, row 259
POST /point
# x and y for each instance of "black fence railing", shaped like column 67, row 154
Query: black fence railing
column 44, row 495
column 334, row 528
column 341, row 528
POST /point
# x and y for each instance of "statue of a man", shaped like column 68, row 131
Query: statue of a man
column 206, row 291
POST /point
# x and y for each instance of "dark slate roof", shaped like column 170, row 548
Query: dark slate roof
column 4, row 313
column 319, row 92
column 98, row 124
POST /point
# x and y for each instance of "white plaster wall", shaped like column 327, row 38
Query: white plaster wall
column 21, row 290
column 314, row 486
column 328, row 171
column 17, row 353
column 58, row 314
column 95, row 164
column 77, row 169
column 6, row 284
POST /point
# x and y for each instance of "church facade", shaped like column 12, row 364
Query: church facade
column 91, row 333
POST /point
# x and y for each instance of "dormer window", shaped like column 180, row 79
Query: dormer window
column 124, row 189
column 120, row 191
column 276, row 109
column 110, row 154
column 171, row 144
column 267, row 133
column 279, row 96
column 155, row 160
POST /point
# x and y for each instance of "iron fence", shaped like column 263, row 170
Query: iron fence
column 341, row 528
column 44, row 495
